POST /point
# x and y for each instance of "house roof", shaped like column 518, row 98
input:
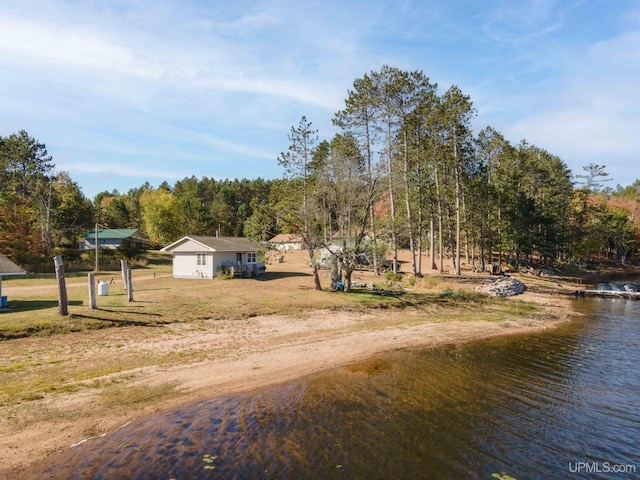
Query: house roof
column 217, row 244
column 7, row 267
column 114, row 233
column 286, row 238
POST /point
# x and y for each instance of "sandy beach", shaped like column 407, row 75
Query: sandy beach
column 225, row 356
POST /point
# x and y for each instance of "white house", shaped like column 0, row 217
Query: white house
column 287, row 241
column 111, row 238
column 204, row 257
column 7, row 267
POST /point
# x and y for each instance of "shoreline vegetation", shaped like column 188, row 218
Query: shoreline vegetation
column 68, row 379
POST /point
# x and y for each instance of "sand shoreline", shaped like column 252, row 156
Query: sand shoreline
column 238, row 357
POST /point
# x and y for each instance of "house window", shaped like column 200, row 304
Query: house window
column 201, row 258
column 251, row 257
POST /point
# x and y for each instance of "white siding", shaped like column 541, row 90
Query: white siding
column 284, row 246
column 226, row 258
column 190, row 246
column 185, row 266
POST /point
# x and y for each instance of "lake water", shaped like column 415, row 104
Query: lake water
column 563, row 403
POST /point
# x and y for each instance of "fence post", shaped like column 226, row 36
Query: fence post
column 63, row 302
column 123, row 268
column 130, row 285
column 92, row 291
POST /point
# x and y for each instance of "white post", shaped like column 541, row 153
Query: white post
column 123, row 268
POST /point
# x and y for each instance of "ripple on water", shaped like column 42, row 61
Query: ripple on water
column 527, row 405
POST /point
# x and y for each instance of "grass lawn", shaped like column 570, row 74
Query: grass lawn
column 159, row 299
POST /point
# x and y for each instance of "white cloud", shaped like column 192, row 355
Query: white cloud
column 234, row 147
column 523, row 21
column 28, row 42
column 121, row 170
column 43, row 46
column 144, row 85
column 585, row 108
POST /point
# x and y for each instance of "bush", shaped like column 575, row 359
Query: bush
column 130, row 249
column 223, row 274
column 393, row 277
column 34, row 263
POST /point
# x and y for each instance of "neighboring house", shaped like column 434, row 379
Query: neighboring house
column 111, row 238
column 286, row 241
column 204, row 257
column 7, row 267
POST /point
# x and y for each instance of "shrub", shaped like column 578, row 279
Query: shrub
column 393, row 277
column 224, row 274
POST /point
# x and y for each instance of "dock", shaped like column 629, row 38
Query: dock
column 608, row 294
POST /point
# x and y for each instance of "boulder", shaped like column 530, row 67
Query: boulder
column 502, row 287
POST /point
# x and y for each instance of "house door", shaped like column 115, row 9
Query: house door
column 239, row 258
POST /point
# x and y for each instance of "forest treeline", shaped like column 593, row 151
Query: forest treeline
column 404, row 171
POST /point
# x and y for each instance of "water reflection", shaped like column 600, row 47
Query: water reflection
column 532, row 406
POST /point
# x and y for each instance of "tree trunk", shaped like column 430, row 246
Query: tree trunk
column 335, row 273
column 412, row 247
column 420, row 236
column 432, row 245
column 392, row 201
column 347, row 278
column 314, row 266
column 440, row 241
column 458, row 195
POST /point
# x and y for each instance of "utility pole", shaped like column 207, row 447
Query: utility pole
column 96, row 239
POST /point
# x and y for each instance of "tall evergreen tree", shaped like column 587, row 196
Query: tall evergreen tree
column 25, row 179
column 297, row 162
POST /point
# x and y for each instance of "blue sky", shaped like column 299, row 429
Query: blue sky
column 124, row 92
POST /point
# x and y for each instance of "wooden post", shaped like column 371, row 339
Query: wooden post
column 63, row 303
column 92, row 291
column 129, row 285
column 123, row 268
column 96, row 240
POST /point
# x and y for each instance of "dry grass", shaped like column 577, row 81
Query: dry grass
column 159, row 299
column 34, row 370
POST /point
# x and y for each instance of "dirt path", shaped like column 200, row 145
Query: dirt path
column 52, row 288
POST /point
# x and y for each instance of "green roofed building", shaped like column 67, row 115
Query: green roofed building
column 111, row 238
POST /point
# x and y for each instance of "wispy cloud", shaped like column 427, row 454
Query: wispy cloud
column 30, row 44
column 120, row 170
column 42, row 46
column 524, row 21
column 164, row 89
column 593, row 110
